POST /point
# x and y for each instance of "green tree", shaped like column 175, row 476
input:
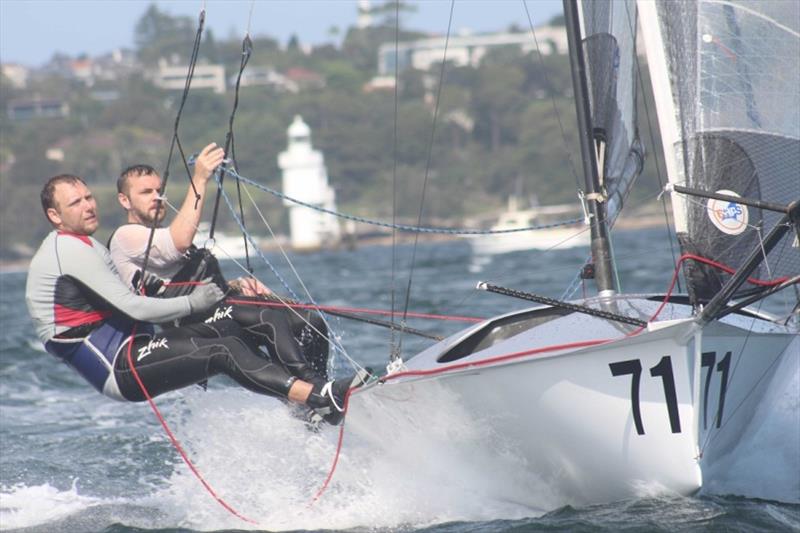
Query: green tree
column 159, row 35
column 294, row 43
column 389, row 11
column 497, row 103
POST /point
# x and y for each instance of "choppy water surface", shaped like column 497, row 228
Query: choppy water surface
column 71, row 460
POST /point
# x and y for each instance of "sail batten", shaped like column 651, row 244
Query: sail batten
column 734, row 102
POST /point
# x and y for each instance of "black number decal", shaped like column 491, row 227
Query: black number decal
column 664, row 369
column 633, row 367
column 709, row 358
column 723, row 367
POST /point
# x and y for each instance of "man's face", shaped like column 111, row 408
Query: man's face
column 141, row 200
column 75, row 210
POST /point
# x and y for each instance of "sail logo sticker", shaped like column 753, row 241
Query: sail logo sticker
column 728, row 217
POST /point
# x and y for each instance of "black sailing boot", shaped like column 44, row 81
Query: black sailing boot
column 327, row 400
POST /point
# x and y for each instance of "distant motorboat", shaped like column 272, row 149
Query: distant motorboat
column 222, row 245
column 513, row 218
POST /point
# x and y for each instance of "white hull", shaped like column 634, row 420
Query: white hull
column 230, row 248
column 543, row 239
column 223, row 246
column 557, row 427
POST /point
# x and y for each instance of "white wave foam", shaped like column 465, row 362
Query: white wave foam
column 268, row 466
column 22, row 506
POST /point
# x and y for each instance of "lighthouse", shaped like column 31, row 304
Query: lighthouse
column 306, row 179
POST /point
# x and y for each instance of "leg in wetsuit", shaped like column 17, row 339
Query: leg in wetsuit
column 309, row 327
column 296, row 340
column 177, row 358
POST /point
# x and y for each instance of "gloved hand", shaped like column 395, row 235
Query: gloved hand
column 204, row 296
column 153, row 285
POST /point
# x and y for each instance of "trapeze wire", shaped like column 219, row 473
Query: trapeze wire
column 331, row 337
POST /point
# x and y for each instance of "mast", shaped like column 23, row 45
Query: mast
column 595, row 196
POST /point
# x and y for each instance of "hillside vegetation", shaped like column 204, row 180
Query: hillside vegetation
column 496, row 130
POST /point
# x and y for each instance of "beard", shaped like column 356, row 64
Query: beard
column 148, row 217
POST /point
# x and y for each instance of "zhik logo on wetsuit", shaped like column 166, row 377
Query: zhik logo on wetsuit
column 220, row 313
column 148, row 348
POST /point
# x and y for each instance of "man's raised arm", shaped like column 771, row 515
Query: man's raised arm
column 184, row 227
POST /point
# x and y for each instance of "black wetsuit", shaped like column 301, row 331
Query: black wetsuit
column 295, row 339
column 178, row 357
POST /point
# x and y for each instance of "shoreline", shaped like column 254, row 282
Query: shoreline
column 624, row 223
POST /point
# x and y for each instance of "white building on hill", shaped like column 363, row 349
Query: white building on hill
column 305, row 179
column 205, row 77
column 467, row 50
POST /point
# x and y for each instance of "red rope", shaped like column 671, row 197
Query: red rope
column 729, row 270
column 175, row 443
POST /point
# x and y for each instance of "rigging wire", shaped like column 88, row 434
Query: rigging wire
column 400, row 227
column 552, row 98
column 175, row 140
column 427, row 170
column 332, row 339
column 230, row 150
column 573, row 286
column 250, row 17
column 394, row 348
column 657, row 162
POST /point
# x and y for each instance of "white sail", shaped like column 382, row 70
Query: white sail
column 726, row 77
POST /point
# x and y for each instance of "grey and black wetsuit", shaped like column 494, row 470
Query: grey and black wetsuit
column 85, row 316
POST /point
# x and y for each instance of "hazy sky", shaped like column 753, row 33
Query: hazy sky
column 32, row 30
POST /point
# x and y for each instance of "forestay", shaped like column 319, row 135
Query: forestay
column 726, row 76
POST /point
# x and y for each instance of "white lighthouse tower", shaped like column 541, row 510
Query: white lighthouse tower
column 305, row 179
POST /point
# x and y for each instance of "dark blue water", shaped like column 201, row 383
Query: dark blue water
column 71, row 460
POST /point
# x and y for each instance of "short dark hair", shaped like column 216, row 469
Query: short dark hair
column 49, row 189
column 132, row 171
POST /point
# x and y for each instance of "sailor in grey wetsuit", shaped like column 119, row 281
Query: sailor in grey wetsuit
column 296, row 339
column 86, row 317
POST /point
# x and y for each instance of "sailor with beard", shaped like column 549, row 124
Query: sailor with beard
column 295, row 339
